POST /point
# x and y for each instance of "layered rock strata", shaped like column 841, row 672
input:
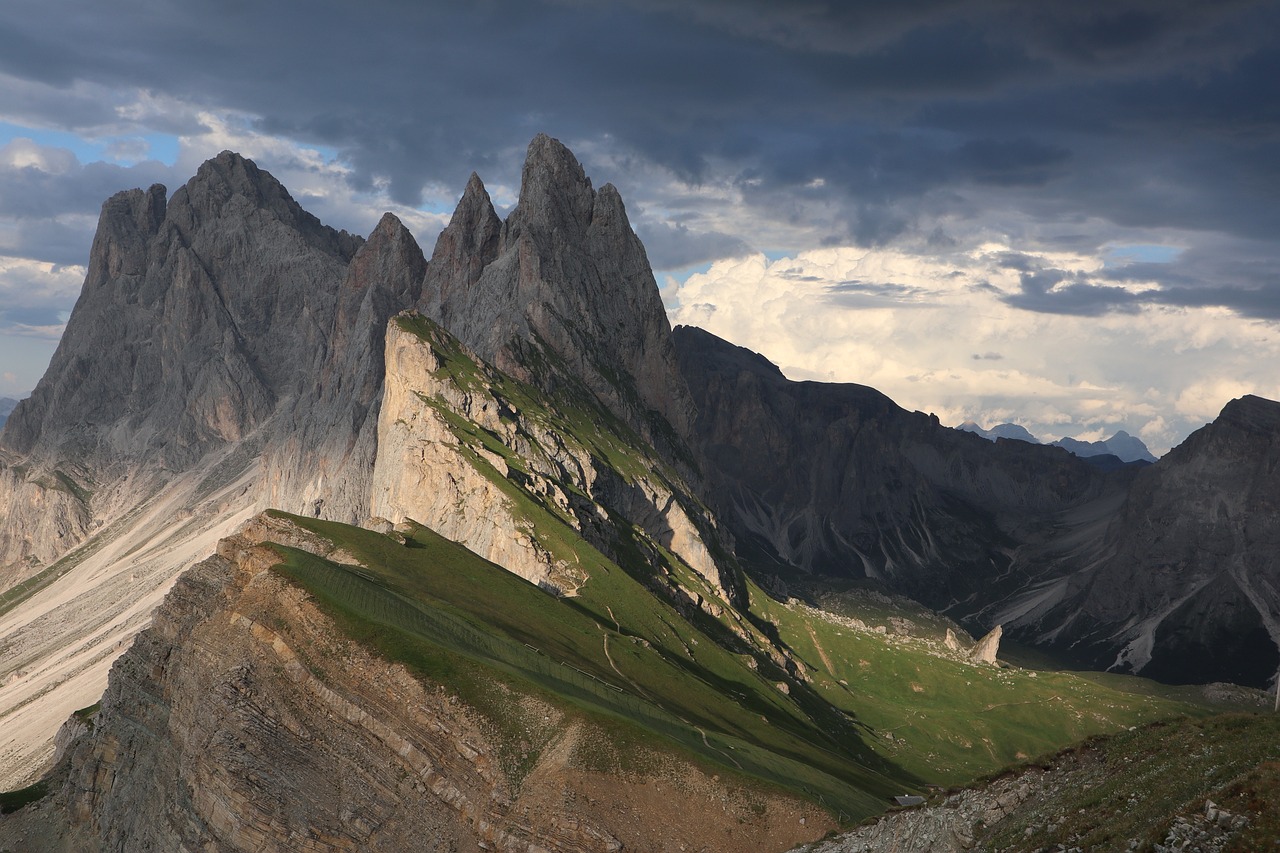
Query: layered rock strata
column 243, row 719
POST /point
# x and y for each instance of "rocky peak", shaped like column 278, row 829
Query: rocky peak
column 127, row 223
column 196, row 316
column 230, row 186
column 561, row 294
column 465, row 247
column 555, row 192
column 1253, row 413
column 390, row 247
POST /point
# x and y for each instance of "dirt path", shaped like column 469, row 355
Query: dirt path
column 826, row 661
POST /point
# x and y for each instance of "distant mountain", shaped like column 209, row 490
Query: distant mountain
column 6, row 406
column 838, row 479
column 1179, row 580
column 1013, row 431
column 1124, row 447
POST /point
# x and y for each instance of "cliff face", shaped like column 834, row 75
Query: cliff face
column 244, row 719
column 461, row 445
column 200, row 318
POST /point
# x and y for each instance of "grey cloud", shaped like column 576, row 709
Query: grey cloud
column 866, row 294
column 672, row 246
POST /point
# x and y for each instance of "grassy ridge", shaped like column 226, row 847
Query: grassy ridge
column 913, row 717
column 430, row 602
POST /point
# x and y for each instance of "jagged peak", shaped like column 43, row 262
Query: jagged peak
column 209, row 194
column 555, row 191
column 467, row 244
column 475, row 207
column 238, row 173
column 129, row 219
column 389, row 227
column 389, row 242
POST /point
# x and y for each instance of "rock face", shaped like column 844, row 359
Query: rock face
column 201, row 317
column 838, row 479
column 322, row 449
column 245, row 720
column 1186, row 586
column 561, row 293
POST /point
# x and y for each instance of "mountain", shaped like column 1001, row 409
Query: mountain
column 499, row 288
column 1180, row 582
column 1014, row 431
column 6, row 406
column 476, row 548
column 839, row 480
column 1124, row 447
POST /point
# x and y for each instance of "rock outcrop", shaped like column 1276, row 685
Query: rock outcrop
column 457, row 438
column 986, row 649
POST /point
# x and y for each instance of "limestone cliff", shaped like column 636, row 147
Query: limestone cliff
column 461, row 446
column 199, row 316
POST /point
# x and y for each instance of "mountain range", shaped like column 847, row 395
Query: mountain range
column 353, row 482
column 1124, row 447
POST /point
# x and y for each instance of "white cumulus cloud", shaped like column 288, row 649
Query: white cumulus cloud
column 910, row 326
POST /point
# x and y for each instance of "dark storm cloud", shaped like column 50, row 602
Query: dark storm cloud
column 859, row 121
column 674, row 246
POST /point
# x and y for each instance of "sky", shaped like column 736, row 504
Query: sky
column 1060, row 214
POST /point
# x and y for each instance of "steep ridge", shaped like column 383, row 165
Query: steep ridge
column 245, row 720
column 323, row 687
column 457, row 436
column 837, row 479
